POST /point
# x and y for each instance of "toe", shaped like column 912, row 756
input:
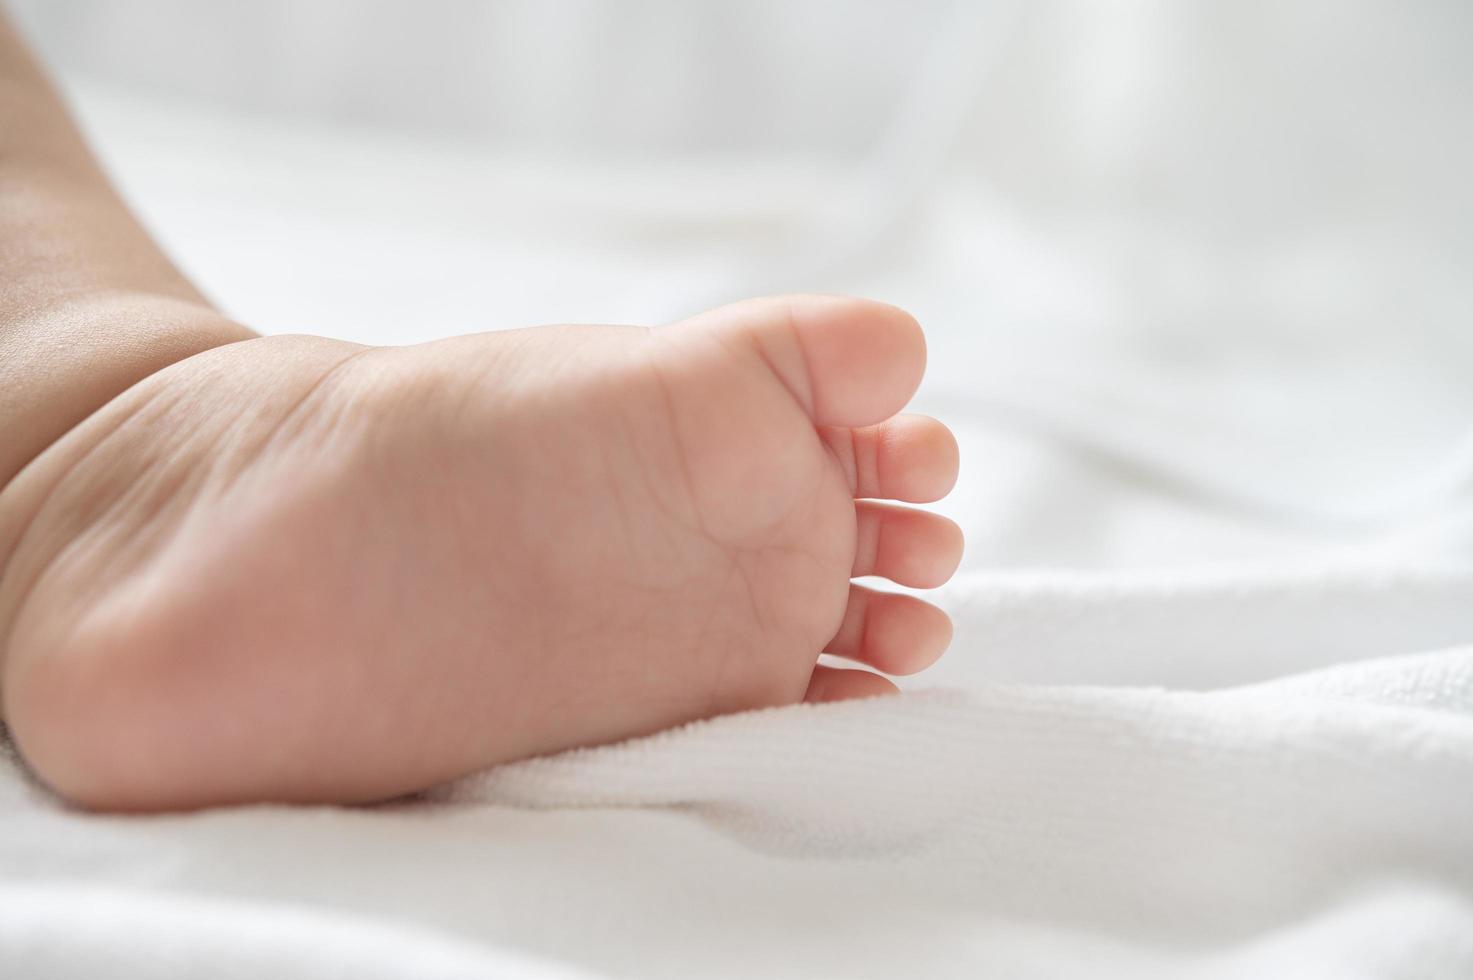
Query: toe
column 910, row 547
column 897, row 634
column 909, row 457
column 838, row 684
column 847, row 361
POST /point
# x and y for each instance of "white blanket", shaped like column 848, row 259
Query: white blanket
column 1314, row 826
column 1209, row 712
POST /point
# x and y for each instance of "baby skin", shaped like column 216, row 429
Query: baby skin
column 237, row 568
column 293, row 568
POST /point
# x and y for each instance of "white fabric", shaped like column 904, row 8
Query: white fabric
column 1195, row 281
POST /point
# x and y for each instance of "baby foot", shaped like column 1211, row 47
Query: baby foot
column 298, row 569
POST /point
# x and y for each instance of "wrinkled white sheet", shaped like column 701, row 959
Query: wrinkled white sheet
column 1209, row 712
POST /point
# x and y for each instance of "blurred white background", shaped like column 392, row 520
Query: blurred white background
column 1196, row 273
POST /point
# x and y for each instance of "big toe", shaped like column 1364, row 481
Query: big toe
column 849, row 362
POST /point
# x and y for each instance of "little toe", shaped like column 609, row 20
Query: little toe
column 840, row 684
column 908, row 457
column 847, row 361
column 893, row 633
column 907, row 546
